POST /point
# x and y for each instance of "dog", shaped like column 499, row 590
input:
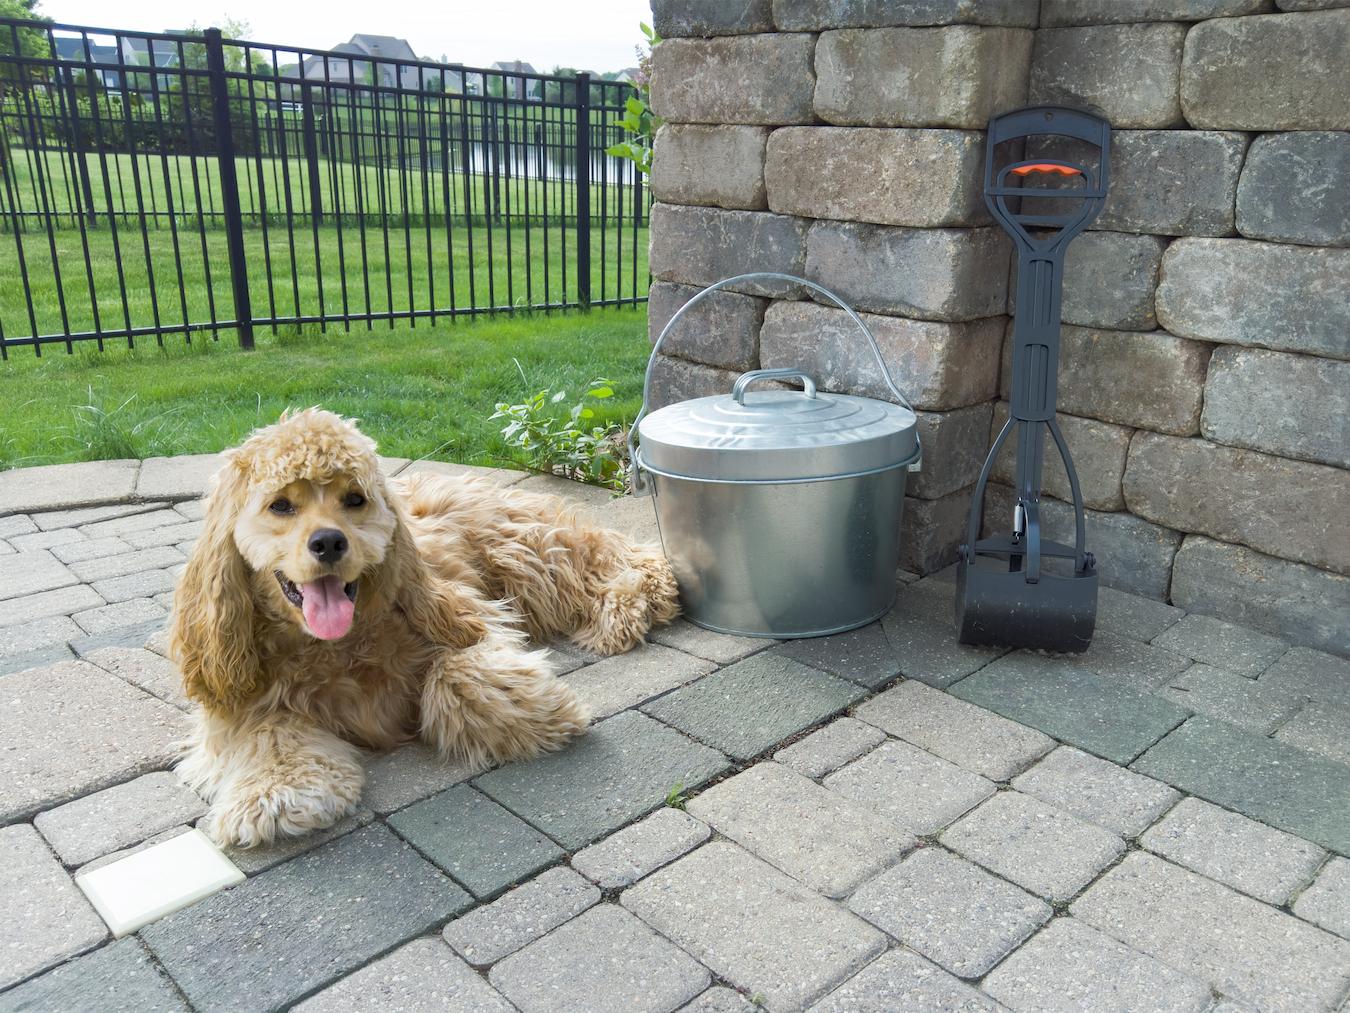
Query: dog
column 326, row 609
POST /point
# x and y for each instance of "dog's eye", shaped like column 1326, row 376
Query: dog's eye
column 353, row 499
column 281, row 505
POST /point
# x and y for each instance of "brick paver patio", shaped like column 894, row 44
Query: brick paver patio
column 882, row 820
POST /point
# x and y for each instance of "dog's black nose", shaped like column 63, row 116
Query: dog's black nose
column 328, row 544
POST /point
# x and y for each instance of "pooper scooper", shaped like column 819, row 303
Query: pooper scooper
column 1021, row 589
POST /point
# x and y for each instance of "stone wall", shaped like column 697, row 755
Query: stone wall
column 1205, row 372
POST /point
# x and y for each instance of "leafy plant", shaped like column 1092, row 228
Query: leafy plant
column 100, row 433
column 676, row 797
column 638, row 119
column 568, row 445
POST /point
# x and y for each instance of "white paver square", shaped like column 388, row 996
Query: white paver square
column 920, row 791
column 817, row 836
column 1258, row 860
column 1098, row 791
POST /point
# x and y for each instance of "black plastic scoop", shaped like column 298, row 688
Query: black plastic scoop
column 1020, row 589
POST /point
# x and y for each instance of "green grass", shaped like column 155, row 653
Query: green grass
column 420, row 392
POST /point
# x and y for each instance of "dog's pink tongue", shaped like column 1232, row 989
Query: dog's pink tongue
column 328, row 611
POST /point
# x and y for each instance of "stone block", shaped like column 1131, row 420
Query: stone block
column 16, row 524
column 128, row 562
column 755, row 927
column 933, row 274
column 131, row 612
column 825, row 751
column 756, row 79
column 675, row 380
column 932, row 529
column 32, row 572
column 675, row 19
column 1223, row 645
column 937, row 366
column 830, row 843
column 1312, row 674
column 420, row 977
column 817, row 15
column 722, row 166
column 955, row 76
column 1133, row 555
column 1286, row 508
column 58, row 602
column 863, row 655
column 1327, row 901
column 90, row 548
column 618, row 683
column 919, row 791
column 44, row 919
column 1295, row 188
column 722, row 330
column 1271, row 72
column 71, row 729
column 1239, row 701
column 172, row 534
column 1242, row 292
column 1098, row 450
column 1234, row 850
column 1036, row 846
column 952, row 912
column 1163, row 182
column 120, row 976
column 1236, row 945
column 43, row 539
column 1319, row 728
column 117, row 817
column 1109, row 281
column 1300, row 603
column 66, row 486
column 625, row 857
column 954, row 447
column 1097, row 790
column 1072, row 966
column 143, row 521
column 1149, row 380
column 921, row 178
column 488, row 933
column 187, row 476
column 1056, row 13
column 142, row 584
column 699, row 246
column 1128, row 73
column 325, row 914
column 1291, row 405
column 903, row 980
column 720, row 647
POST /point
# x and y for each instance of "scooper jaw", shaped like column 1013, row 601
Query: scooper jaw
column 1020, row 589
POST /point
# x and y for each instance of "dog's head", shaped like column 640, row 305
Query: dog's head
column 299, row 527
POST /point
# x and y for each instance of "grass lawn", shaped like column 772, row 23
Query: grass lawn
column 420, row 392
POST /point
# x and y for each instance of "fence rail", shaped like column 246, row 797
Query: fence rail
column 179, row 185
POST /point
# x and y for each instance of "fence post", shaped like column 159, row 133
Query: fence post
column 229, row 184
column 583, row 189
column 311, row 152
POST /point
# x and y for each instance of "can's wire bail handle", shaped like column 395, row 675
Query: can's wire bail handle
column 755, row 375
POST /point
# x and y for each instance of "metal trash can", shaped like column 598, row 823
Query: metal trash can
column 779, row 510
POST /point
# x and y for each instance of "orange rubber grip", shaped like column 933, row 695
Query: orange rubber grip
column 1063, row 170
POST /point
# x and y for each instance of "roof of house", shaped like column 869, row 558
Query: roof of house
column 383, row 45
column 514, row 67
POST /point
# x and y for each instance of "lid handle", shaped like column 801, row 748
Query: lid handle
column 755, row 375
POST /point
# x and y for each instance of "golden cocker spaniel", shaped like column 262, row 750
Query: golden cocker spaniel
column 327, row 608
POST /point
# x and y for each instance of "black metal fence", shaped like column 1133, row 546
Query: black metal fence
column 176, row 184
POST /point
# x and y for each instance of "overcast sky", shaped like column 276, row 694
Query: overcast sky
column 594, row 35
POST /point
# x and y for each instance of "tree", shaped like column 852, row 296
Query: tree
column 24, row 42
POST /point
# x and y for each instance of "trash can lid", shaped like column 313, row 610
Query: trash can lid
column 779, row 434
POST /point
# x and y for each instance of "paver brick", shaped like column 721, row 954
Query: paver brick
column 916, row 789
column 71, row 729
column 185, row 476
column 192, row 510
column 1234, row 850
column 420, row 977
column 479, row 843
column 23, row 490
column 825, row 751
column 823, row 839
column 1243, row 948
column 1070, row 966
column 119, row 816
column 90, row 548
column 621, row 769
column 924, row 643
column 48, row 520
column 746, row 708
column 120, row 976
column 1267, row 780
column 1315, row 674
column 1232, row 698
column 142, row 584
column 1036, row 846
column 36, row 635
column 293, row 929
column 1097, row 790
column 123, row 636
column 43, row 657
column 1133, row 615
column 160, row 556
column 44, row 539
column 720, row 647
column 623, row 858
column 720, row 1000
column 30, row 572
column 1065, row 700
column 903, row 980
column 148, row 671
column 488, row 933
column 16, row 524
column 618, row 683
column 606, row 960
column 952, row 912
column 967, row 735
column 43, row 916
column 131, row 612
column 1222, row 644
column 1327, row 901
column 252, row 861
column 169, row 534
column 409, row 774
column 863, row 655
column 753, row 926
column 1322, row 728
column 60, row 602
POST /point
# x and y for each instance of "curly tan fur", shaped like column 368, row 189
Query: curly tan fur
column 451, row 579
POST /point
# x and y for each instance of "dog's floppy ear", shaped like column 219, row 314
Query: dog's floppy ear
column 441, row 610
column 211, row 633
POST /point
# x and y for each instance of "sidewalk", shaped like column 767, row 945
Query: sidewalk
column 882, row 820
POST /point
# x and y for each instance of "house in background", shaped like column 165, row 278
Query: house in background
column 347, row 68
column 519, row 88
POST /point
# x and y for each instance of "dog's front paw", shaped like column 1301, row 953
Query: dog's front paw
column 257, row 815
